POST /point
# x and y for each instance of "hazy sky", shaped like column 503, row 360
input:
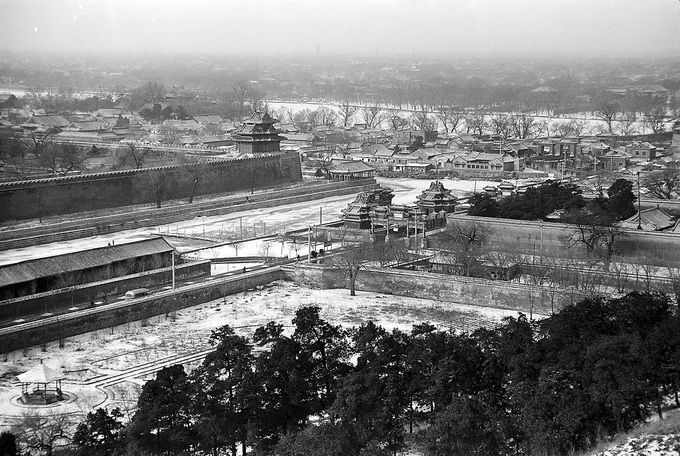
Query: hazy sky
column 518, row 27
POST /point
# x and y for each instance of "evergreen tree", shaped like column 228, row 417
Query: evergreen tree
column 621, row 198
column 101, row 433
column 224, row 393
column 8, row 444
column 163, row 421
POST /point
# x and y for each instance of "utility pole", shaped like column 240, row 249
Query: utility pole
column 639, row 227
column 415, row 222
column 320, row 215
column 541, row 241
column 309, row 244
column 173, row 269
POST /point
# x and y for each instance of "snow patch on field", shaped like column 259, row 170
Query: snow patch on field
column 136, row 344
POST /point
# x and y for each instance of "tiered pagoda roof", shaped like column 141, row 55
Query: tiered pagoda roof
column 436, row 199
column 357, row 214
column 258, row 129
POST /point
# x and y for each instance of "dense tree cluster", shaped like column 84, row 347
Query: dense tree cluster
column 537, row 202
column 549, row 387
column 159, row 113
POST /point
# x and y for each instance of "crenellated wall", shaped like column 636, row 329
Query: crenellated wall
column 86, row 192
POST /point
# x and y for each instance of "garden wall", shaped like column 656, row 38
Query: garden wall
column 441, row 287
column 87, row 192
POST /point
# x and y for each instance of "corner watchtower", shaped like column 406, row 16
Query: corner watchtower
column 258, row 135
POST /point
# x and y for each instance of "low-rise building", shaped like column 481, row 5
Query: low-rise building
column 641, row 151
column 342, row 170
column 59, row 271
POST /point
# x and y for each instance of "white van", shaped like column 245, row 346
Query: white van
column 136, row 293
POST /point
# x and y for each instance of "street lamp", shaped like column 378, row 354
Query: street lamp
column 639, row 227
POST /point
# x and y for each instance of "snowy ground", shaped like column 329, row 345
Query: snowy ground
column 253, row 222
column 92, row 358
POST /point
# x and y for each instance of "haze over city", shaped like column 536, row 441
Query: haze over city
column 383, row 27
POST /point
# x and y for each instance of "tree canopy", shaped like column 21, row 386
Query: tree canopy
column 552, row 387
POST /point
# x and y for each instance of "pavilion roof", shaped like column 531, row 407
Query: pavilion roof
column 40, row 374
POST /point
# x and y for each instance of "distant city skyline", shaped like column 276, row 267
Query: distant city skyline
column 522, row 28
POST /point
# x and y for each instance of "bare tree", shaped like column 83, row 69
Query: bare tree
column 398, row 123
column 607, row 112
column 345, row 113
column 449, row 118
column 300, row 119
column 37, row 141
column 649, row 271
column 351, row 261
column 237, row 245
column 13, row 156
column 465, row 241
column 542, row 129
column 131, row 156
column 327, row 117
column 655, row 119
column 522, row 125
column 156, row 185
column 664, row 184
column 621, row 275
column 62, row 158
column 245, row 94
column 500, row 125
column 195, row 167
column 595, row 233
column 422, row 121
column 282, row 113
column 373, row 116
column 475, row 123
column 627, row 124
column 43, row 433
column 571, row 128
column 265, row 247
column 392, row 251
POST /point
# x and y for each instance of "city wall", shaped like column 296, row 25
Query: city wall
column 529, row 237
column 121, row 313
column 445, row 288
column 58, row 300
column 88, row 192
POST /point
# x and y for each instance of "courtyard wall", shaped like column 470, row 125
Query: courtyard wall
column 440, row 287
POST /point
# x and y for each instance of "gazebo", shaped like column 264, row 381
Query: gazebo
column 41, row 376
